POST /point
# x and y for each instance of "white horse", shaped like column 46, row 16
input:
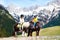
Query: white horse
column 26, row 25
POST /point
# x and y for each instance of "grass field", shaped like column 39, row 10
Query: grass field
column 50, row 31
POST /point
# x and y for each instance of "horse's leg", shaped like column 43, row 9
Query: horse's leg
column 30, row 32
column 15, row 33
column 24, row 29
column 37, row 28
column 23, row 32
column 37, row 33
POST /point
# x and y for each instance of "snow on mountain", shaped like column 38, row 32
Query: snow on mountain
column 45, row 13
column 48, row 11
column 17, row 10
column 13, row 9
column 45, row 10
column 54, row 2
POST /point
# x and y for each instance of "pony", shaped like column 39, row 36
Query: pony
column 32, row 28
column 22, row 28
column 27, row 27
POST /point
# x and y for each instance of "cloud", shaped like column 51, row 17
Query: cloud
column 23, row 3
column 1, row 1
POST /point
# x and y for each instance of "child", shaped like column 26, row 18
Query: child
column 35, row 20
column 21, row 23
column 21, row 19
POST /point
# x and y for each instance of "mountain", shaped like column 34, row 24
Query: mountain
column 54, row 22
column 55, row 17
column 54, row 2
column 6, row 22
column 30, row 10
column 45, row 13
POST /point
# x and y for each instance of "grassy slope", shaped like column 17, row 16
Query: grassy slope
column 50, row 31
column 6, row 23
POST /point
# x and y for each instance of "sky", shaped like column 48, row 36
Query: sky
column 24, row 3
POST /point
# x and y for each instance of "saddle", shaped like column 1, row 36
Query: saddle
column 19, row 25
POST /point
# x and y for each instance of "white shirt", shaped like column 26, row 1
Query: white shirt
column 21, row 20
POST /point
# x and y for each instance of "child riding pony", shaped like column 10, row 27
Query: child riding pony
column 35, row 20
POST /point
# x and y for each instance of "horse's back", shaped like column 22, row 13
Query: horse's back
column 26, row 24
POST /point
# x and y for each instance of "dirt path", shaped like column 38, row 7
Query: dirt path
column 33, row 38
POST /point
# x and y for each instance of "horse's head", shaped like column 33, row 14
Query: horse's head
column 16, row 25
column 31, row 22
column 38, row 23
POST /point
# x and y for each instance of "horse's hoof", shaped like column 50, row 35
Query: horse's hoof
column 15, row 35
